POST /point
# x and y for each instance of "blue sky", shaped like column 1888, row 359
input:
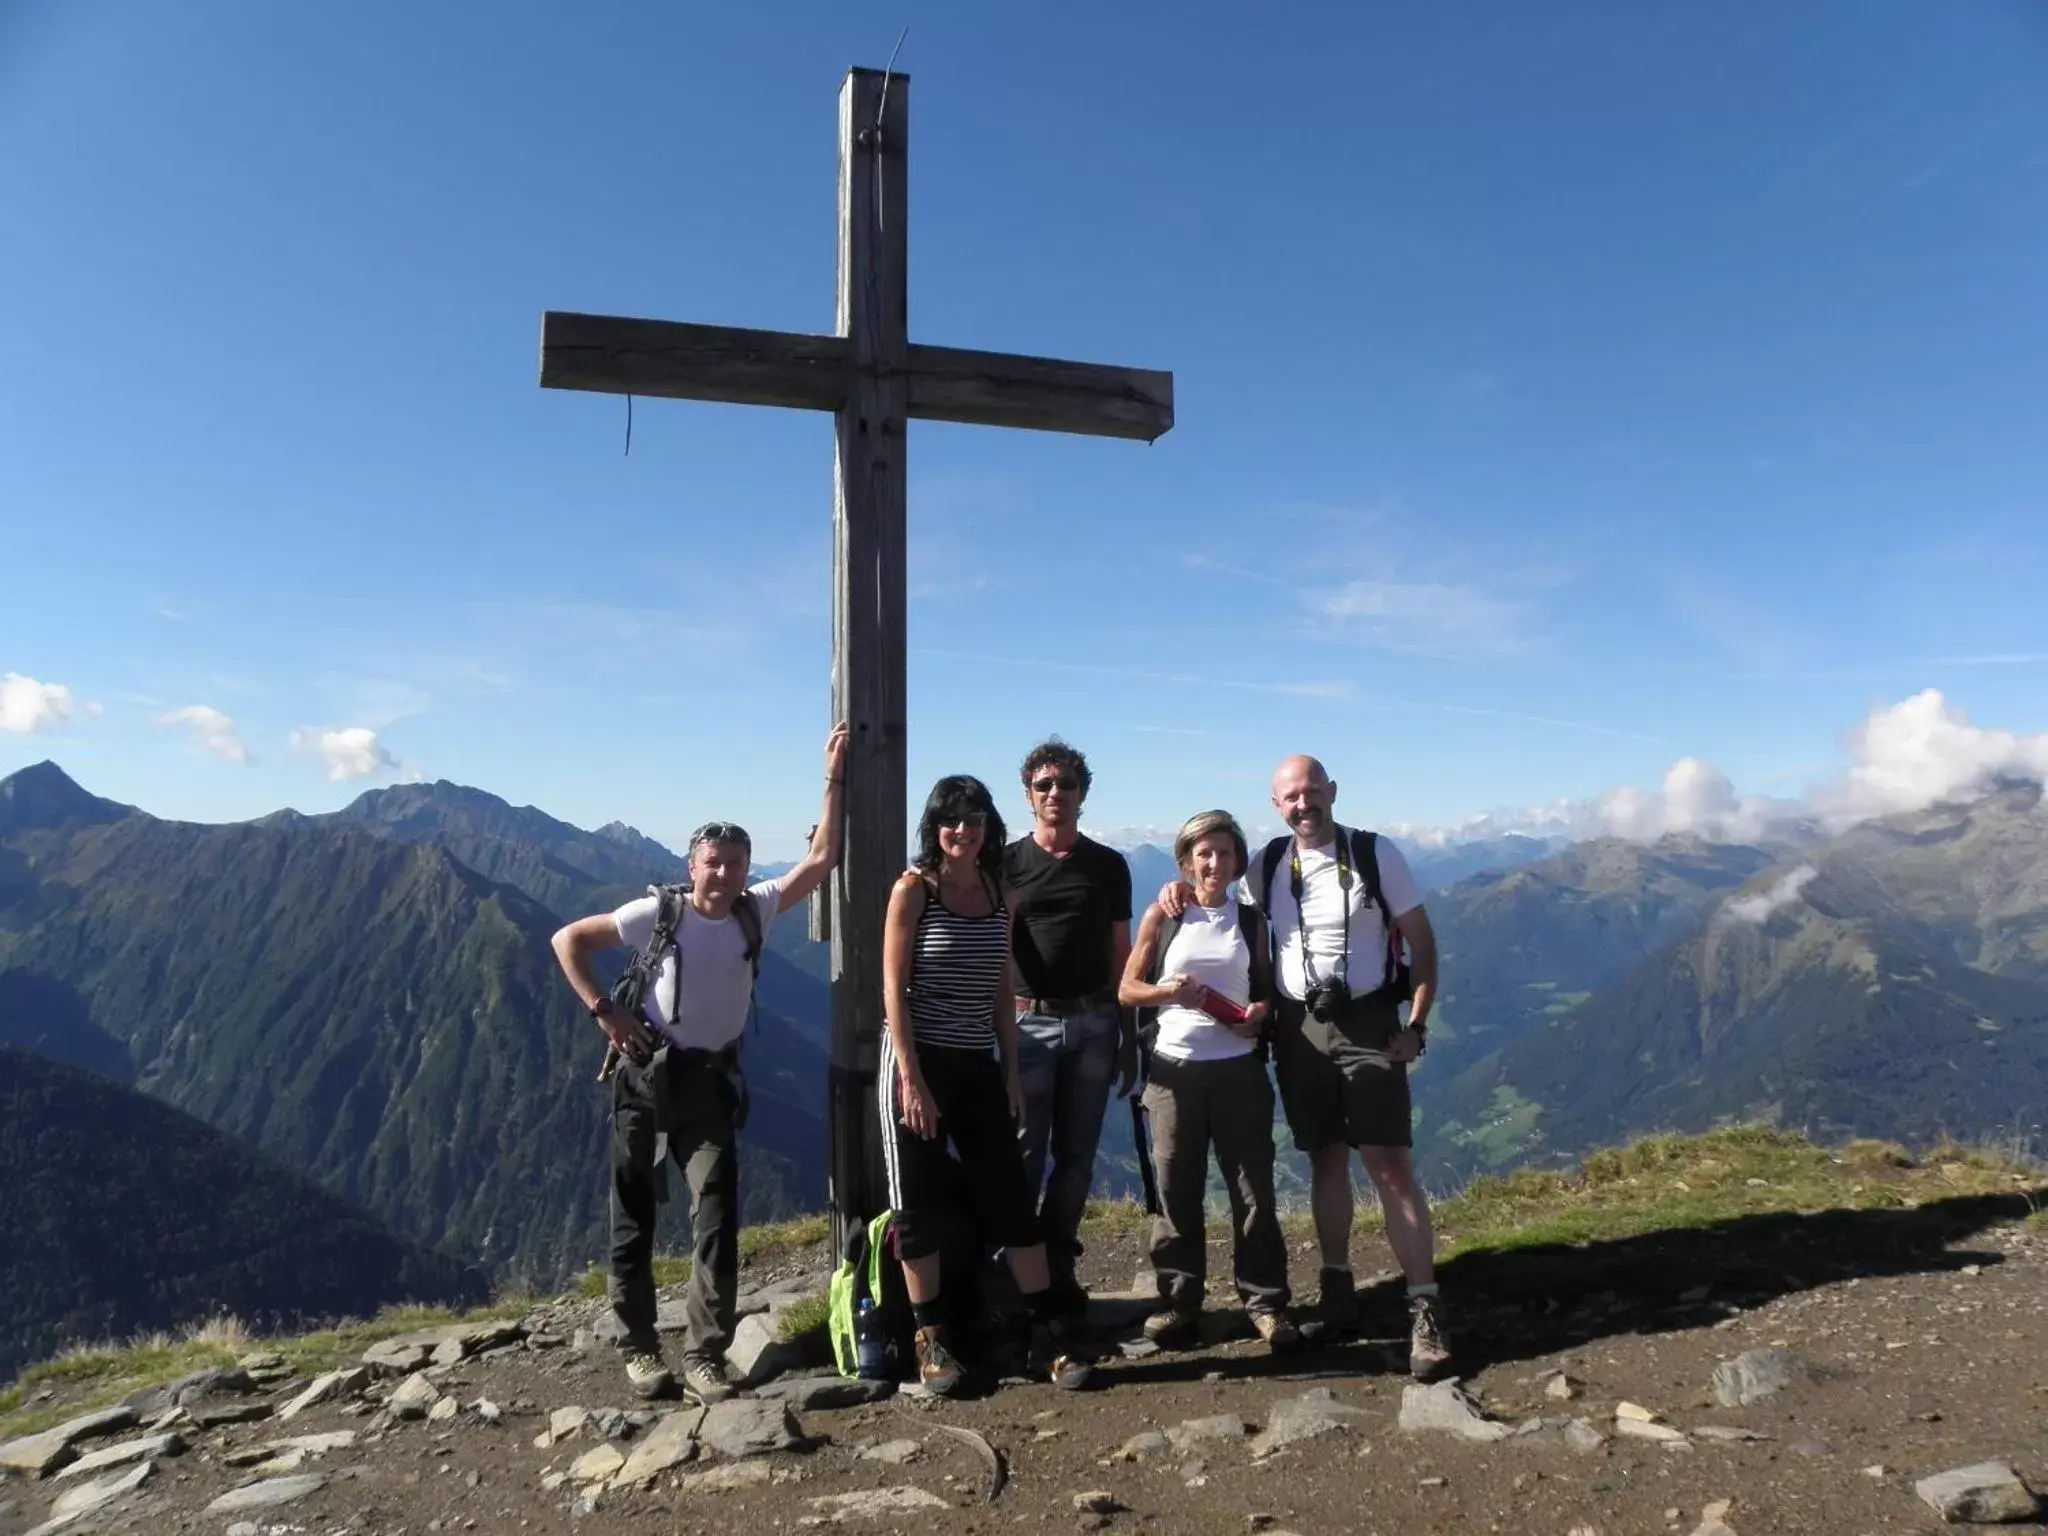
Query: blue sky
column 1562, row 391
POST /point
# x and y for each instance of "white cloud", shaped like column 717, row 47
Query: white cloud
column 1923, row 750
column 212, row 730
column 1904, row 757
column 350, row 752
column 27, row 706
column 1754, row 909
column 1425, row 617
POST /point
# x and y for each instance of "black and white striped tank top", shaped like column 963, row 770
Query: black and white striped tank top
column 956, row 966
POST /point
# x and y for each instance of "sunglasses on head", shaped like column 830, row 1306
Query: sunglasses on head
column 1048, row 784
column 721, row 832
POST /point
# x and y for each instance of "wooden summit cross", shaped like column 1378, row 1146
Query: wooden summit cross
column 873, row 378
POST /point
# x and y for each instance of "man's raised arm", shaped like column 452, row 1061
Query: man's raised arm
column 809, row 872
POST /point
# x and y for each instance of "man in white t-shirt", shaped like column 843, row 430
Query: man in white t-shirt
column 678, row 1077
column 1340, row 1046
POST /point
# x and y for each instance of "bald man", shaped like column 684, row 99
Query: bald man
column 1335, row 897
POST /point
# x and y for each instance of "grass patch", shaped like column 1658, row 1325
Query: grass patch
column 92, row 1376
column 797, row 1236
column 1665, row 1182
column 1116, row 1218
column 669, row 1269
column 803, row 1322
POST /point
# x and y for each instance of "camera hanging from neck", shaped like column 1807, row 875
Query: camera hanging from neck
column 1296, row 884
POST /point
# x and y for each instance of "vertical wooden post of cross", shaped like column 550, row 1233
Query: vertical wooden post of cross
column 868, row 642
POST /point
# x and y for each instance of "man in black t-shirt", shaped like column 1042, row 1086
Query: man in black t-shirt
column 1072, row 935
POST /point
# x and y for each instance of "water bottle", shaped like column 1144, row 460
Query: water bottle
column 869, row 1344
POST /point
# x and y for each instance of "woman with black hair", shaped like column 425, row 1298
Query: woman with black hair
column 951, row 1015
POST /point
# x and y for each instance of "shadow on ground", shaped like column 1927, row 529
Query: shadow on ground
column 1523, row 1303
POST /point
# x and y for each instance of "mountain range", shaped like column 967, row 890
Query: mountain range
column 367, row 998
column 1891, row 981
column 356, row 998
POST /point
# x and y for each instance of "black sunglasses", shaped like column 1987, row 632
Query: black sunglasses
column 963, row 818
column 1065, row 781
column 722, row 832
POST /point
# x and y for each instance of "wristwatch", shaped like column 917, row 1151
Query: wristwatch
column 603, row 1007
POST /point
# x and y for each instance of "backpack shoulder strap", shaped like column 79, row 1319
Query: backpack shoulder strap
column 668, row 920
column 1269, row 865
column 1251, row 922
column 1365, row 853
column 1168, row 927
column 749, row 917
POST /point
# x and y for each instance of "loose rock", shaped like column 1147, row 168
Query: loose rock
column 269, row 1494
column 749, row 1426
column 1222, row 1426
column 806, row 1394
column 1316, row 1412
column 671, row 1442
column 40, row 1455
column 75, row 1502
column 413, row 1397
column 737, row 1474
column 1100, row 1502
column 1984, row 1494
column 1645, row 1429
column 1150, row 1443
column 1756, row 1374
column 1447, row 1407
column 598, row 1464
column 148, row 1448
column 894, row 1452
column 757, row 1352
column 1714, row 1520
column 322, row 1389
column 874, row 1504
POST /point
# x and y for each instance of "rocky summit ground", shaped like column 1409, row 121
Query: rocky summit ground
column 1791, row 1369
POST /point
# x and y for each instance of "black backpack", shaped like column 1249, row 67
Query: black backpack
column 1395, row 978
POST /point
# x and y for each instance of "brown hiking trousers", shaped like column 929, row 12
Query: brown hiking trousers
column 1228, row 1105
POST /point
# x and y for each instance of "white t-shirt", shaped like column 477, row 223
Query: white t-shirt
column 717, row 981
column 1208, row 945
column 1323, row 896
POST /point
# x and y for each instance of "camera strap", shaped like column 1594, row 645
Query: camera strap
column 1297, row 885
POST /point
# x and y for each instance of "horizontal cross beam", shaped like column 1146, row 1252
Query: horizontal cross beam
column 674, row 360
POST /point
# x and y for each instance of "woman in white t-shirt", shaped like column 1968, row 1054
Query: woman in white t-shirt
column 1207, row 1086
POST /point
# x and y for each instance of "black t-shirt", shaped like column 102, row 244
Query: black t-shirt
column 1065, row 910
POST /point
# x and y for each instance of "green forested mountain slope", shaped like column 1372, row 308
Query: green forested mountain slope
column 1887, row 983
column 374, row 1013
column 1523, row 947
column 119, row 1214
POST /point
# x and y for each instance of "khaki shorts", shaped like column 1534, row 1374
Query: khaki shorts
column 1336, row 1083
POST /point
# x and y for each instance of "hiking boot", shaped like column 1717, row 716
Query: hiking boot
column 1277, row 1329
column 648, row 1374
column 936, row 1368
column 1337, row 1310
column 1429, row 1343
column 1172, row 1327
column 706, row 1380
column 1050, row 1359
